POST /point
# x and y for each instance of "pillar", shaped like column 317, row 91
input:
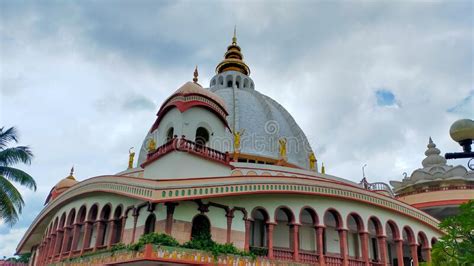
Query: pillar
column 427, row 251
column 382, row 243
column 320, row 244
column 295, row 240
column 364, row 243
column 247, row 235
column 75, row 236
column 135, row 220
column 87, row 236
column 112, row 235
column 170, row 207
column 399, row 248
column 414, row 253
column 99, row 224
column 270, row 227
column 64, row 245
column 230, row 217
column 343, row 246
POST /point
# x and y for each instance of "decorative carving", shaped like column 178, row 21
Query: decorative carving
column 131, row 156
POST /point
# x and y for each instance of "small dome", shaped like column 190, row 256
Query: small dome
column 66, row 182
column 195, row 88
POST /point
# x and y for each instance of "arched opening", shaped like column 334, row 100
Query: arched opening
column 355, row 226
column 91, row 234
column 60, row 234
column 258, row 228
column 81, row 217
column 150, row 224
column 307, row 231
column 201, row 228
column 69, row 233
column 423, row 247
column 117, row 232
column 221, row 80
column 331, row 237
column 228, row 81
column 202, row 136
column 409, row 246
column 374, row 227
column 433, row 241
column 282, row 233
column 213, row 82
column 393, row 235
column 246, row 83
column 103, row 232
column 169, row 134
column 54, row 230
column 238, row 82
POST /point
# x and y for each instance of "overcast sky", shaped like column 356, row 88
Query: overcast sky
column 369, row 82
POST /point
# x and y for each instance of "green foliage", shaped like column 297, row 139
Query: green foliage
column 204, row 241
column 23, row 258
column 117, row 247
column 259, row 251
column 457, row 246
column 11, row 201
column 156, row 239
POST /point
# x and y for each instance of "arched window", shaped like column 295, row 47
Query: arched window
column 201, row 228
column 202, row 136
column 150, row 224
column 258, row 228
column 169, row 134
column 103, row 233
column 229, row 83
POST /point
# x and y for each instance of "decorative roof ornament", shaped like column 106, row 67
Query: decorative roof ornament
column 196, row 74
column 71, row 174
column 435, row 170
column 233, row 59
column 433, row 156
column 323, row 169
column 131, row 156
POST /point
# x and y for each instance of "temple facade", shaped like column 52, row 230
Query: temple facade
column 233, row 162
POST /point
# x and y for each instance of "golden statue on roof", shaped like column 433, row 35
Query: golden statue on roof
column 131, row 156
column 282, row 143
column 237, row 136
column 312, row 161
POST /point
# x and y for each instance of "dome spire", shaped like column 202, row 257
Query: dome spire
column 432, row 155
column 196, row 74
column 233, row 59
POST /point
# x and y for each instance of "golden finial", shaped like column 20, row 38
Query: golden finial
column 131, row 155
column 234, row 39
column 196, row 74
column 323, row 169
column 71, row 174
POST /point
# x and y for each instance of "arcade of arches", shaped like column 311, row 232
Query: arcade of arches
column 327, row 239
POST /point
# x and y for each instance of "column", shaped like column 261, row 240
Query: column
column 112, row 235
column 414, row 253
column 320, row 244
column 399, row 248
column 270, row 239
column 382, row 243
column 170, row 207
column 123, row 220
column 75, row 237
column 295, row 240
column 87, row 236
column 428, row 254
column 364, row 243
column 343, row 246
column 247, row 235
column 99, row 224
column 64, row 245
column 135, row 219
column 229, row 217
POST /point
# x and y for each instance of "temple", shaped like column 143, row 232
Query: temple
column 232, row 162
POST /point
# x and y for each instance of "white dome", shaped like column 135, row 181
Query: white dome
column 264, row 120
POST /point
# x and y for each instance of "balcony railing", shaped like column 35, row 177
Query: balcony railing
column 282, row 253
column 436, row 188
column 308, row 257
column 333, row 260
column 182, row 144
column 356, row 262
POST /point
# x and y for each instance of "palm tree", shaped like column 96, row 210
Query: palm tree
column 11, row 202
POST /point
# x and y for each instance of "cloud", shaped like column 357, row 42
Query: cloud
column 465, row 107
column 82, row 81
